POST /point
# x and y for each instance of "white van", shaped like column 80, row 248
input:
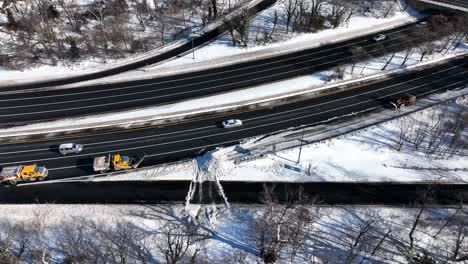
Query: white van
column 70, row 148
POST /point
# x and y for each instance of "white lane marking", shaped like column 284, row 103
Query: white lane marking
column 209, row 74
column 238, row 139
column 222, row 133
column 112, row 141
column 369, row 92
column 190, row 84
column 161, row 96
column 171, row 152
column 254, row 118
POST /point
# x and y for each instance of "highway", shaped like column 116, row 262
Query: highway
column 461, row 4
column 189, row 138
column 171, row 50
column 30, row 105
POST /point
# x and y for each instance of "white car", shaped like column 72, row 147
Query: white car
column 421, row 24
column 70, row 148
column 231, row 123
column 379, row 37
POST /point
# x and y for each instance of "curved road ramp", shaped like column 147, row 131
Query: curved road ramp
column 174, row 49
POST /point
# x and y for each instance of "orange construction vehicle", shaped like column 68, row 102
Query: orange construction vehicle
column 23, row 173
column 116, row 162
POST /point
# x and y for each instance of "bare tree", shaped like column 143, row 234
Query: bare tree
column 99, row 11
column 290, row 7
column 239, row 28
column 70, row 10
column 391, row 8
column 6, row 242
column 44, row 27
column 176, row 240
column 338, row 10
column 362, row 235
column 303, row 217
column 461, row 28
column 159, row 16
column 409, row 249
column 76, row 242
column 142, row 14
column 459, row 248
column 403, row 132
column 283, row 224
column 214, row 5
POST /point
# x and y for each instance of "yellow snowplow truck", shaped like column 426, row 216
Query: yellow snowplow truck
column 23, row 173
column 116, row 162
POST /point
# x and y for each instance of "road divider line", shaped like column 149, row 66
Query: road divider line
column 161, row 118
column 228, row 132
column 178, row 86
column 203, row 75
column 238, row 112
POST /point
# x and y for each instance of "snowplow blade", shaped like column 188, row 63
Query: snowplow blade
column 138, row 161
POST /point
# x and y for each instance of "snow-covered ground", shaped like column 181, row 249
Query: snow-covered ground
column 358, row 25
column 139, row 232
column 140, row 24
column 222, row 46
column 50, row 71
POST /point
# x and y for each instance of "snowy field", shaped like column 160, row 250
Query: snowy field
column 130, row 29
column 223, row 46
column 138, row 233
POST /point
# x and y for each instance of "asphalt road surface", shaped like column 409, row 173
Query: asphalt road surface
column 397, row 194
column 189, row 138
column 459, row 3
column 26, row 106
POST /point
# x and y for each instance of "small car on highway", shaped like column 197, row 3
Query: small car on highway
column 379, row 37
column 421, row 24
column 230, row 123
column 69, row 148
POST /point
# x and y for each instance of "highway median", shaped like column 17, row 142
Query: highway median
column 191, row 110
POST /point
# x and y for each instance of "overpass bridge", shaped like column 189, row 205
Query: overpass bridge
column 461, row 5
